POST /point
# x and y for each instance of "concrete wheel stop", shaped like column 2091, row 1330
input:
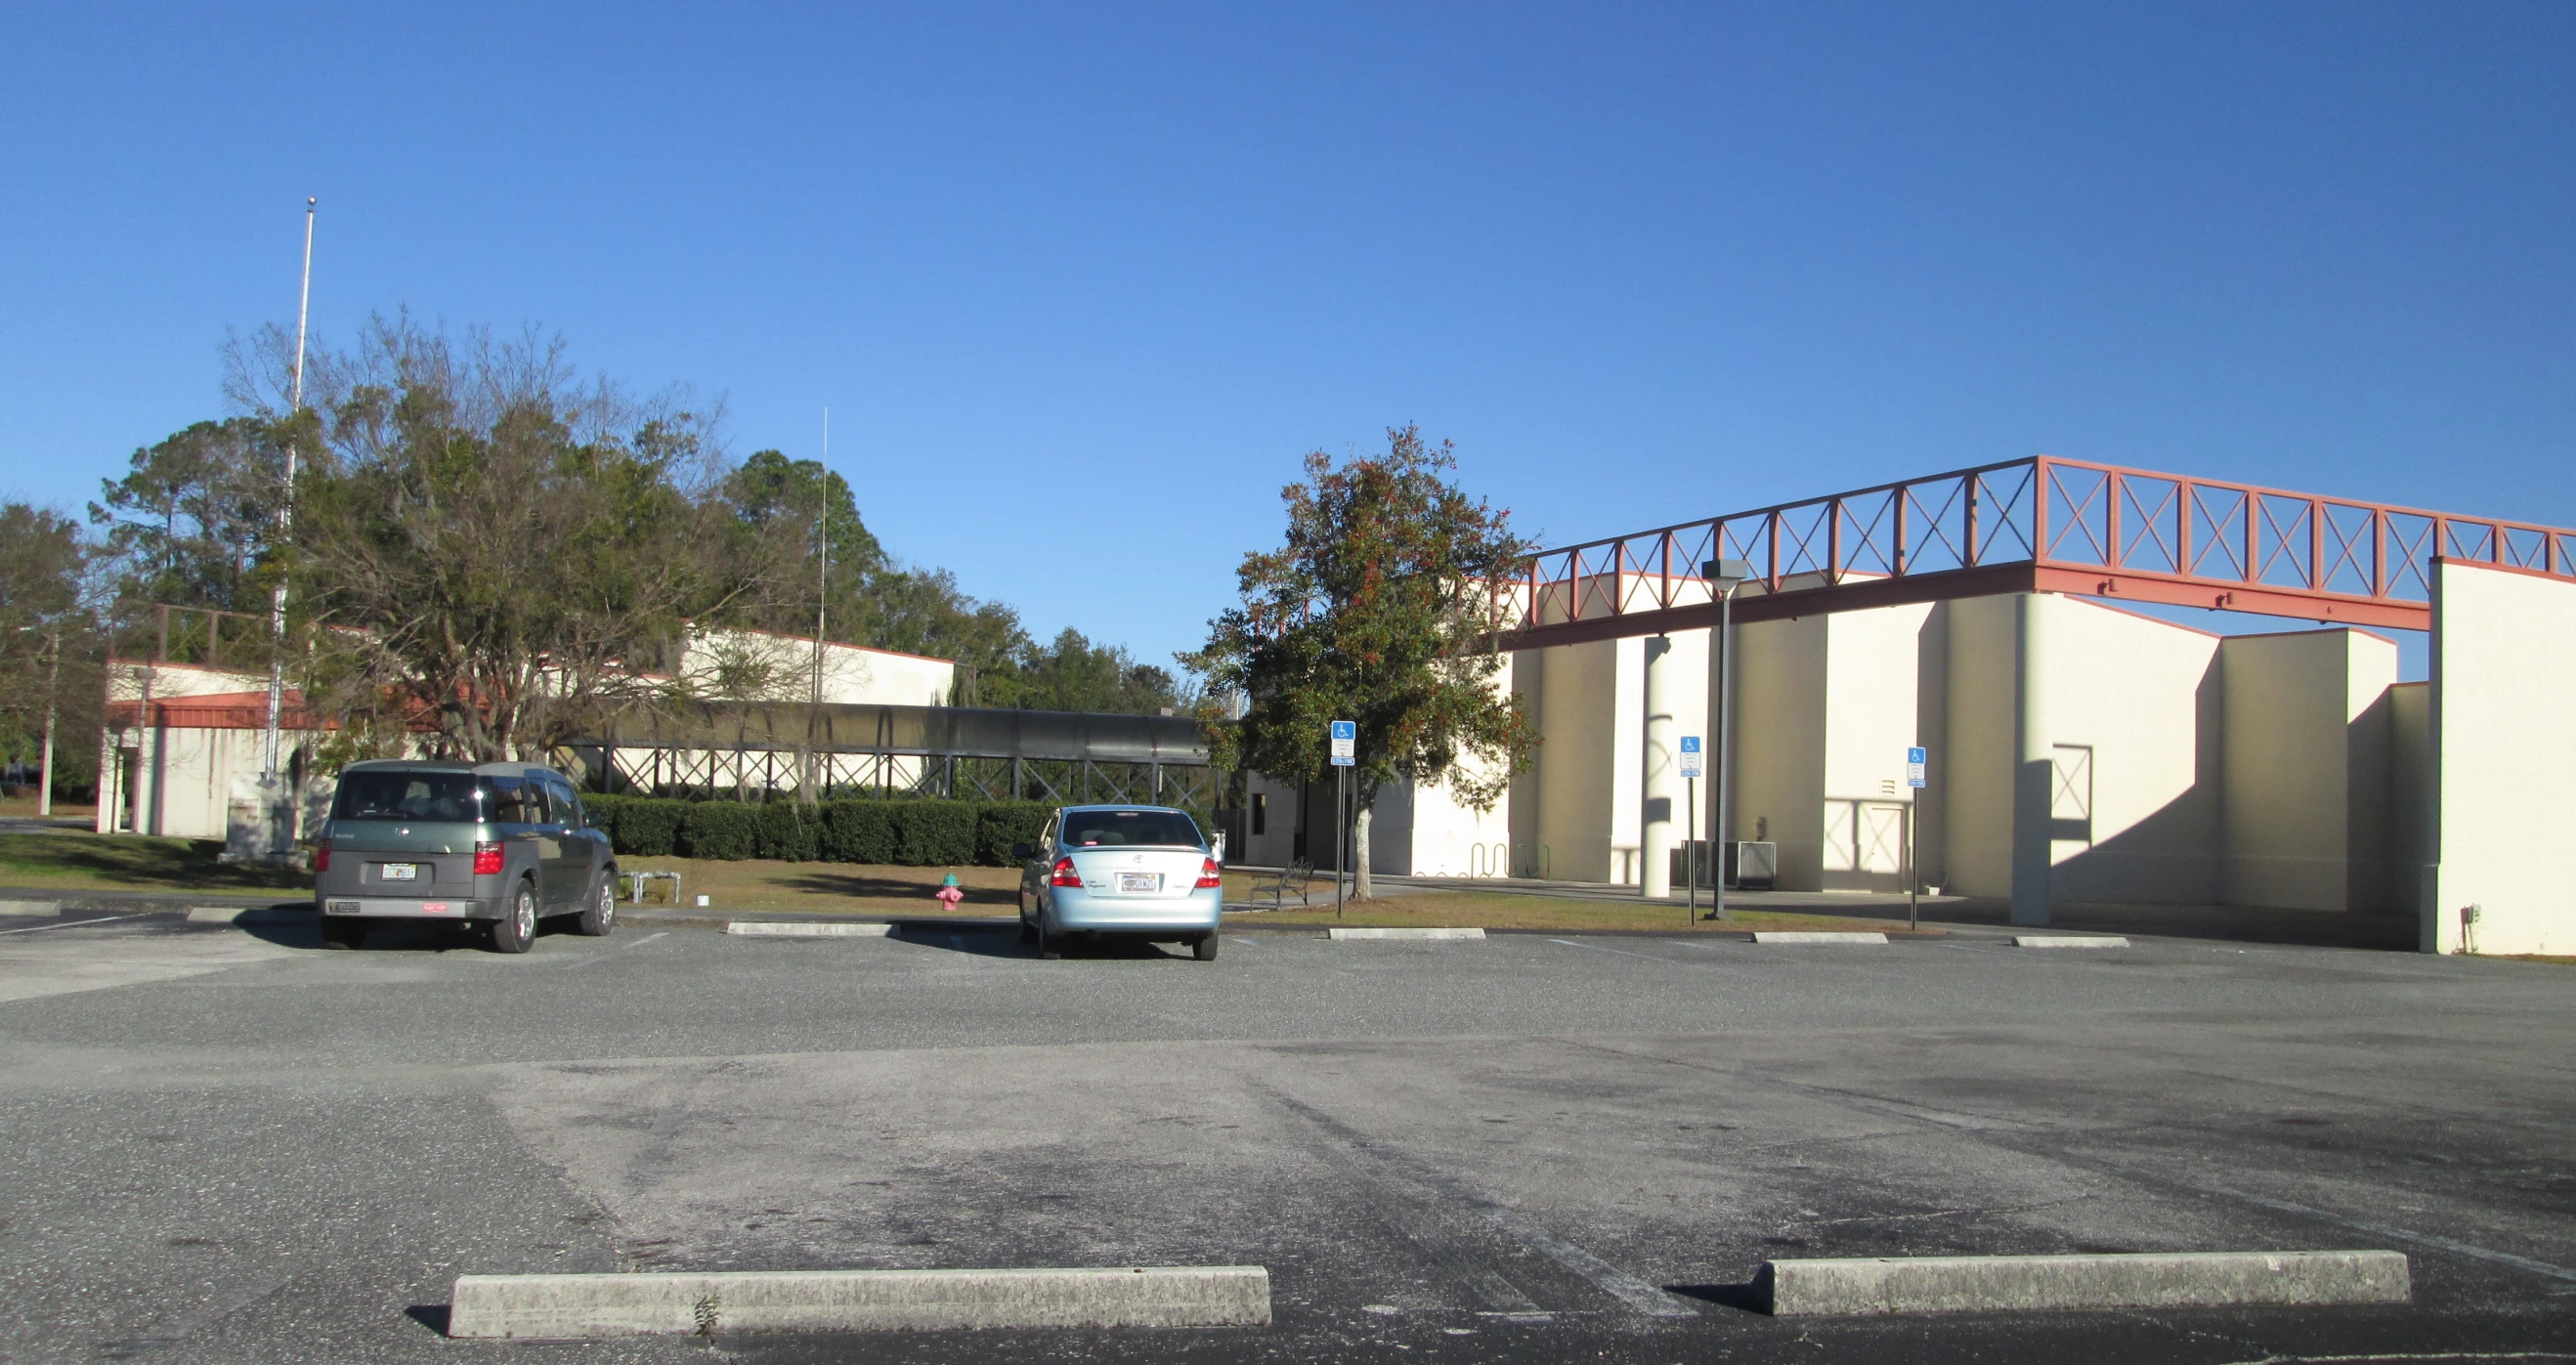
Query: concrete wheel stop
column 579, row 1307
column 1347, row 932
column 770, row 928
column 1985, row 1284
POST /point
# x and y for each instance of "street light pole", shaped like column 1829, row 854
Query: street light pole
column 53, row 675
column 1727, row 575
column 286, row 506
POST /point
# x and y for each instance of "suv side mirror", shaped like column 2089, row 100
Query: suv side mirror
column 1023, row 852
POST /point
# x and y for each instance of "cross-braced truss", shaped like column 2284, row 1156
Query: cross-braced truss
column 2042, row 524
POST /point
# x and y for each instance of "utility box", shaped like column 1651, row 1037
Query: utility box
column 1700, row 851
column 1752, row 866
column 259, row 824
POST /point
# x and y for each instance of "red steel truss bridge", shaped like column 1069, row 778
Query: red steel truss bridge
column 2040, row 524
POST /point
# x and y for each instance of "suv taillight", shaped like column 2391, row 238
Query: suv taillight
column 487, row 860
column 1064, row 875
column 1209, row 875
column 322, row 858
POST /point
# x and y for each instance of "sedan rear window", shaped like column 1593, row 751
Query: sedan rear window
column 1150, row 828
column 426, row 797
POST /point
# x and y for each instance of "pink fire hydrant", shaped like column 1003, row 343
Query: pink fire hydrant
column 949, row 894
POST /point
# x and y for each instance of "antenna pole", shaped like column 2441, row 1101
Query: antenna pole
column 823, row 573
column 286, row 506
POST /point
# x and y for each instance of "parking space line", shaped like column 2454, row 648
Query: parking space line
column 2544, row 1268
column 578, row 963
column 40, row 928
column 1623, row 952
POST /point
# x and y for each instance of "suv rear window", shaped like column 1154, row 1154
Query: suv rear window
column 426, row 797
column 1150, row 828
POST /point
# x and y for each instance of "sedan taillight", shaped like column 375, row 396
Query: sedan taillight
column 1209, row 875
column 487, row 860
column 322, row 858
column 1064, row 875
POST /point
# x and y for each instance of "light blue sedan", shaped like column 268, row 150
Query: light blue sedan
column 1141, row 872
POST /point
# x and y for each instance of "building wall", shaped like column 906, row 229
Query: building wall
column 186, row 773
column 1442, row 836
column 2134, row 707
column 2503, row 746
column 1869, row 722
column 2306, row 763
column 2410, row 792
column 1578, row 804
column 1932, row 731
column 758, row 665
column 1779, row 743
column 1975, row 771
column 1529, row 855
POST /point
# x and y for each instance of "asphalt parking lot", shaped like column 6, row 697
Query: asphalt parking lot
column 227, row 1145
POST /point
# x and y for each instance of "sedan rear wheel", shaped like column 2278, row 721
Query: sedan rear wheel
column 601, row 917
column 1050, row 942
column 518, row 932
column 1204, row 947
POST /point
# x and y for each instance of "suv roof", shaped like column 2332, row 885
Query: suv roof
column 432, row 765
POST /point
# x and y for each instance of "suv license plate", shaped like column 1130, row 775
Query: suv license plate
column 343, row 907
column 399, row 872
column 1140, row 883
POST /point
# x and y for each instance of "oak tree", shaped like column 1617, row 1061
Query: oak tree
column 1378, row 609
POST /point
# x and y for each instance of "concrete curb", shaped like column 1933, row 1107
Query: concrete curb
column 31, row 907
column 563, row 1307
column 2069, row 941
column 1968, row 1284
column 1342, row 932
column 1803, row 936
column 760, row 928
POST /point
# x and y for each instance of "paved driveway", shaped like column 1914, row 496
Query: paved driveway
column 224, row 1146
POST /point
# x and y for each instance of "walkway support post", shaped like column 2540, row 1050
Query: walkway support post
column 2034, row 762
column 1660, row 768
column 1724, row 577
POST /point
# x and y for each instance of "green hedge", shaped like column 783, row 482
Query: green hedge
column 920, row 833
column 720, row 829
column 1000, row 824
column 858, row 832
column 934, row 833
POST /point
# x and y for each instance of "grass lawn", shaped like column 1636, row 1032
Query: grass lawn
column 830, row 888
column 24, row 808
column 74, row 861
column 1503, row 910
column 108, row 862
column 990, row 891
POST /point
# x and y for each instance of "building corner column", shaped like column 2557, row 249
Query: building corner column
column 2034, row 762
column 1659, row 771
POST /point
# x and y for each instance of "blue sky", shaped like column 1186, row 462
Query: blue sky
column 1081, row 283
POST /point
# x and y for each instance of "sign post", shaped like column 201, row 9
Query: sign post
column 1691, row 764
column 1346, row 742
column 1915, row 760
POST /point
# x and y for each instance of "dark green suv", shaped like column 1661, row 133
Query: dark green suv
column 502, row 844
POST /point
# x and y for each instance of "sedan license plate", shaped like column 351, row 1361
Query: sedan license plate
column 399, row 872
column 1139, row 883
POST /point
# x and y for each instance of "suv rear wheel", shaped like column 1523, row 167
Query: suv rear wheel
column 518, row 932
column 342, row 934
column 602, row 914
